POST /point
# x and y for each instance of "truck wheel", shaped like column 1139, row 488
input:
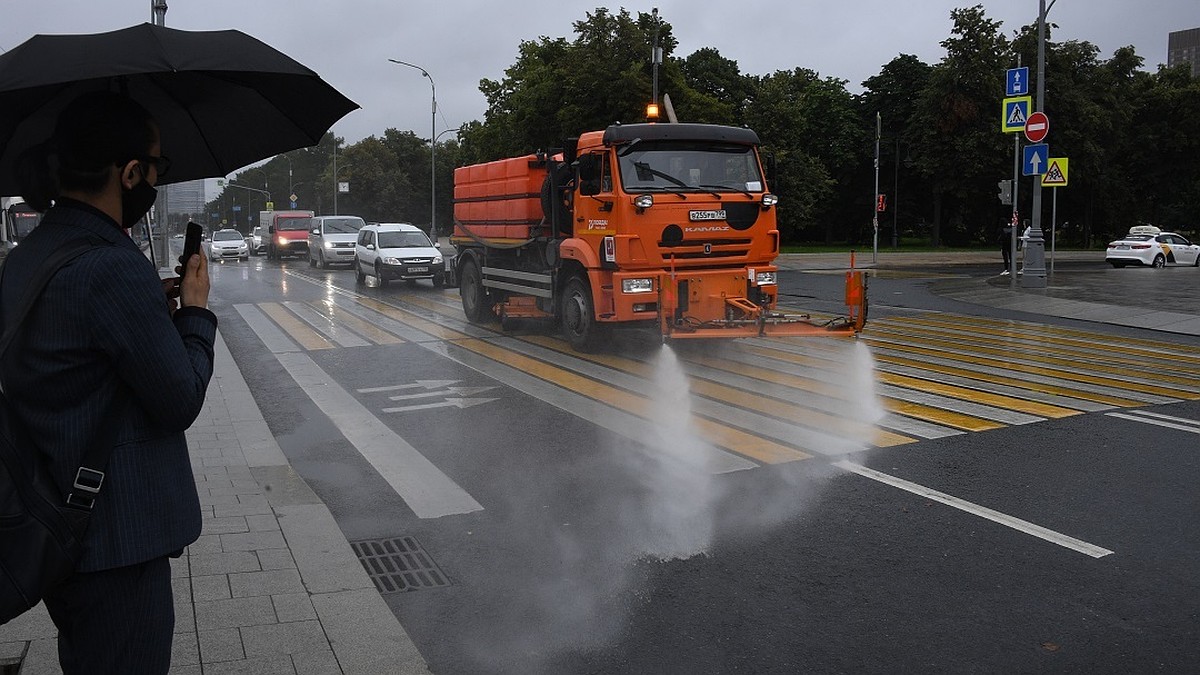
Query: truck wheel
column 476, row 303
column 578, row 315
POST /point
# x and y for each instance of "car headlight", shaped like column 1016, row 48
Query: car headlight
column 637, row 285
column 437, row 260
column 329, row 244
column 391, row 261
column 764, row 279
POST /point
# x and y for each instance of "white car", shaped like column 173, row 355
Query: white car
column 255, row 241
column 1150, row 246
column 227, row 244
column 397, row 251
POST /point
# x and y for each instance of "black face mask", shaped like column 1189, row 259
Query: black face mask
column 135, row 202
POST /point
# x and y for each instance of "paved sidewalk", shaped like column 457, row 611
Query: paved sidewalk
column 271, row 586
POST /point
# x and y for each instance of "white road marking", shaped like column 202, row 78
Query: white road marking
column 975, row 509
column 419, row 384
column 1143, row 416
column 427, row 491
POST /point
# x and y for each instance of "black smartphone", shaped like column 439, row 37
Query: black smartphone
column 191, row 246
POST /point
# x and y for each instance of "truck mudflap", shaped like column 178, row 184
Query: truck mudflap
column 747, row 319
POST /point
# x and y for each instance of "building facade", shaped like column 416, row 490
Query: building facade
column 1183, row 46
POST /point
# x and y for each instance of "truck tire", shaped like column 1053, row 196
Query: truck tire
column 578, row 316
column 476, row 303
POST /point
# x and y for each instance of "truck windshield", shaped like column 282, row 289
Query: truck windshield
column 689, row 165
column 290, row 224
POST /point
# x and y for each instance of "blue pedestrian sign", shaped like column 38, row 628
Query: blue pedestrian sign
column 1016, row 111
column 1017, row 82
column 1037, row 159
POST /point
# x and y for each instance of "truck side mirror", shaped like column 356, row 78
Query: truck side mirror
column 771, row 168
column 270, row 229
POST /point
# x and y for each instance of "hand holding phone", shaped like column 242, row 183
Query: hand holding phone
column 191, row 246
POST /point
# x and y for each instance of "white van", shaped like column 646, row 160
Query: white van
column 331, row 240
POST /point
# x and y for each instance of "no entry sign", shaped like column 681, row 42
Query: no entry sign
column 1037, row 125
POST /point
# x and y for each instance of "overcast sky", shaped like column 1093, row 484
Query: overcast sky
column 349, row 42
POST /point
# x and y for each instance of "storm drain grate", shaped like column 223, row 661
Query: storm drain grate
column 398, row 564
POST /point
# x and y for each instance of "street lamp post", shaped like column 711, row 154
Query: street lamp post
column 1034, row 267
column 432, row 145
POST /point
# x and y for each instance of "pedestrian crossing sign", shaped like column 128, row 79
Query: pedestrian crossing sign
column 1016, row 111
column 1056, row 173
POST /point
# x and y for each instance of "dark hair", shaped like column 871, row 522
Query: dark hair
column 96, row 131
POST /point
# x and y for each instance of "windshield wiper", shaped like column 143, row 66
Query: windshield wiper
column 645, row 169
column 728, row 187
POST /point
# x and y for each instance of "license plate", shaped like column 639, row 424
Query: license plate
column 1122, row 248
column 695, row 216
column 418, row 269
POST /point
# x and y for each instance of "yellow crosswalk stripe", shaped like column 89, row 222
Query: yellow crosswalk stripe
column 294, row 327
column 1000, row 357
column 1009, row 381
column 368, row 330
column 731, row 439
column 782, row 410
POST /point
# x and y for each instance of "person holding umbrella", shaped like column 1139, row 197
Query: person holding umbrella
column 105, row 353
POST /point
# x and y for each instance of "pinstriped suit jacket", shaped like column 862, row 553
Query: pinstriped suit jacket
column 101, row 329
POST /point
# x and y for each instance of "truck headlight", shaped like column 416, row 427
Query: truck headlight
column 637, row 285
column 764, row 279
column 281, row 241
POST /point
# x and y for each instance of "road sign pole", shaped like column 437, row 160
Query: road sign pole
column 1016, row 222
column 1053, row 224
column 1034, row 266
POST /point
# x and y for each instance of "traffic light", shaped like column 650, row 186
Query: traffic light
column 881, row 203
column 1005, row 192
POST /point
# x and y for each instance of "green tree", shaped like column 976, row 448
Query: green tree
column 893, row 94
column 955, row 130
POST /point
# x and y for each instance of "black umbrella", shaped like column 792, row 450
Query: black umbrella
column 221, row 98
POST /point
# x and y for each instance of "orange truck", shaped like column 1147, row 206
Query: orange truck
column 669, row 225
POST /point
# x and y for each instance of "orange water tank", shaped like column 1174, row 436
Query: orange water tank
column 500, row 199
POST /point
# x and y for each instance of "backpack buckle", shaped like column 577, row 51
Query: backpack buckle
column 87, row 481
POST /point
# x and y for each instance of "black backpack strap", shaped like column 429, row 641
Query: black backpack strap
column 87, row 479
column 45, row 272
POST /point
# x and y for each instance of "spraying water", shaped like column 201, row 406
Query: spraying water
column 667, row 503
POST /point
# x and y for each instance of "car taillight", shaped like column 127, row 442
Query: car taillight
column 1140, row 246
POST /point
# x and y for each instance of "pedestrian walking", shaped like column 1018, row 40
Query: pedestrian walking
column 1022, row 243
column 110, row 347
column 1005, row 240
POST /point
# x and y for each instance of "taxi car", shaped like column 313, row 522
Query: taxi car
column 1148, row 245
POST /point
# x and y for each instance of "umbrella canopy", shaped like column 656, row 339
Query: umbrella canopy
column 222, row 99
